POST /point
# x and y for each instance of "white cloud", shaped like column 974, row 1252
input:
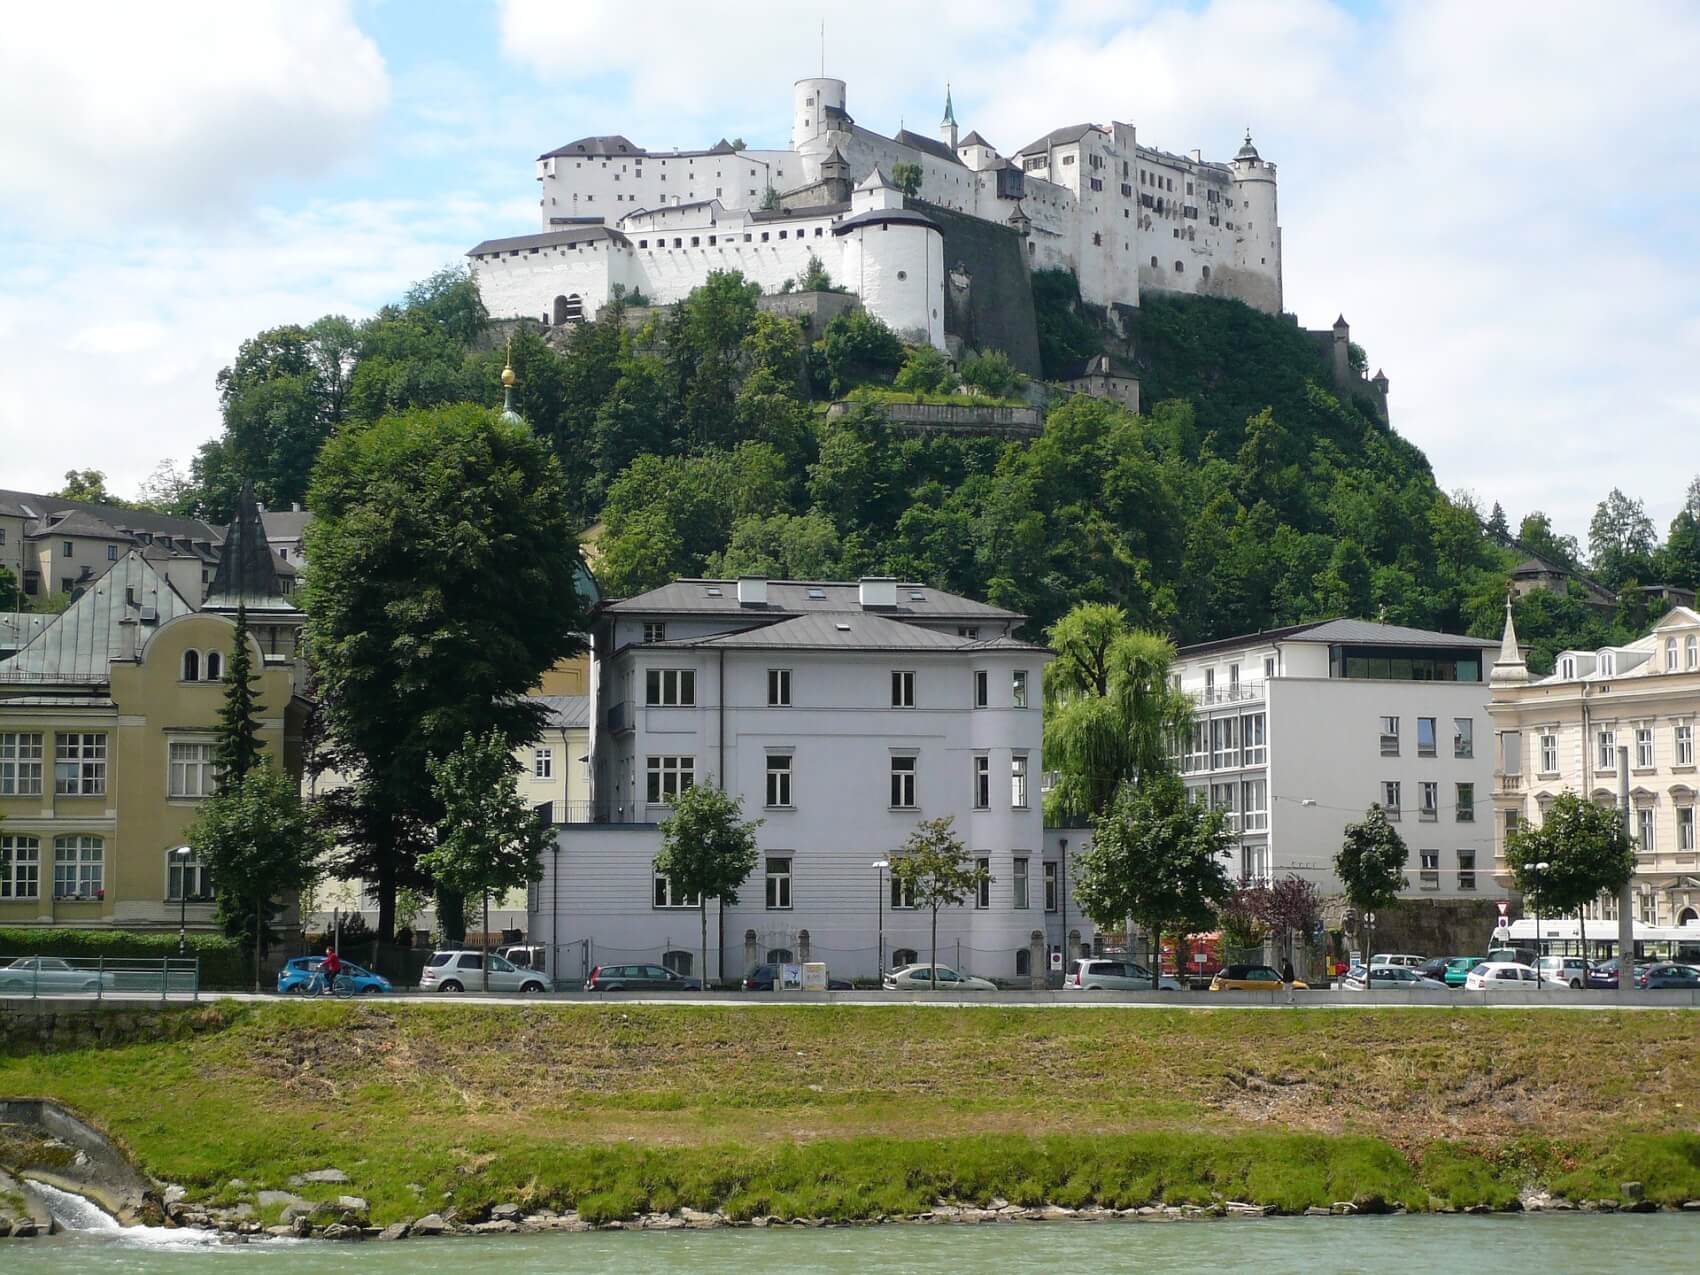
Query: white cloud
column 176, row 108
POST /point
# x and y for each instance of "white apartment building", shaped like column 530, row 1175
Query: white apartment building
column 842, row 714
column 1298, row 731
column 1563, row 731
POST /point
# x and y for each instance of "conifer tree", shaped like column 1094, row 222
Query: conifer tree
column 237, row 748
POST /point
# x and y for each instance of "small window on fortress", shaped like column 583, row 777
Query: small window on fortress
column 643, row 243
column 1206, row 272
column 746, row 239
column 711, row 241
column 764, row 236
column 1097, row 239
column 696, row 241
column 782, row 234
column 817, row 232
column 1180, row 267
column 1154, row 263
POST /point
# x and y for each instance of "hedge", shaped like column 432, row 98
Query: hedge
column 223, row 964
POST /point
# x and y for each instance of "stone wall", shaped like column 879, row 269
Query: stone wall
column 988, row 294
column 1432, row 927
column 953, row 418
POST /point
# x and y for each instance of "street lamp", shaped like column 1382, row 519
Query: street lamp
column 879, row 866
column 181, row 854
column 1537, row 869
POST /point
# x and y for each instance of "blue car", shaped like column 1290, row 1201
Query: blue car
column 300, row 975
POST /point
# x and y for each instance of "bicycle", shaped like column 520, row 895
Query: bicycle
column 342, row 986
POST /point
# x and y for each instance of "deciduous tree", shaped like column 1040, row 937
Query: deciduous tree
column 1587, row 852
column 933, row 868
column 1371, row 862
column 708, row 850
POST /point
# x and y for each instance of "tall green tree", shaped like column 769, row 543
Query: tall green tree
column 1110, row 711
column 933, row 868
column 1371, row 862
column 1621, row 540
column 236, row 746
column 489, row 840
column 907, row 177
column 1587, row 852
column 708, row 850
column 1157, row 858
column 88, row 486
column 443, row 585
column 259, row 842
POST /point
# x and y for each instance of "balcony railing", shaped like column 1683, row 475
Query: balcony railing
column 1511, row 784
column 620, row 716
column 1233, row 693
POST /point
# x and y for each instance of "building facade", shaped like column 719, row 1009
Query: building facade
column 841, row 714
column 1298, row 731
column 1562, row 732
column 1123, row 216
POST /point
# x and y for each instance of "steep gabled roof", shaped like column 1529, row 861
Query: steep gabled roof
column 111, row 619
column 247, row 574
column 932, row 145
column 1057, row 137
column 974, row 139
column 609, row 145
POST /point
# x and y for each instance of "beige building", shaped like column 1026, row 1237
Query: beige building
column 1563, row 731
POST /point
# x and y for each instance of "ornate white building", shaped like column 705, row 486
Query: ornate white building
column 1090, row 198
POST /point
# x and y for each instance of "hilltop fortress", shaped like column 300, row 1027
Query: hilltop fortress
column 1124, row 217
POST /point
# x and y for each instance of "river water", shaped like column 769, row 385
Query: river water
column 1550, row 1244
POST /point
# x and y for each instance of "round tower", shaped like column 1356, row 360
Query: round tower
column 810, row 101
column 1257, row 225
column 893, row 258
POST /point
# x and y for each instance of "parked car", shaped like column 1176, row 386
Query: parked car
column 299, row 973
column 1572, row 969
column 1404, row 959
column 1667, row 974
column 762, row 978
column 1114, row 976
column 639, row 978
column 1435, row 968
column 919, row 978
column 1510, row 976
column 1388, row 978
column 1458, row 969
column 1250, row 978
column 50, row 974
column 525, row 956
column 460, row 971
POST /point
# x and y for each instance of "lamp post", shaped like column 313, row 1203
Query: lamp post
column 181, row 854
column 879, row 866
column 1537, row 869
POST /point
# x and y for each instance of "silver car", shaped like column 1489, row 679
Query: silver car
column 919, row 978
column 50, row 974
column 1114, row 976
column 462, row 971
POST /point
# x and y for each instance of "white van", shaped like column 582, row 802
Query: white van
column 1404, row 959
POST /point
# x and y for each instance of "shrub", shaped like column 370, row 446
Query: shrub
column 925, row 371
column 222, row 962
column 991, row 372
column 860, row 348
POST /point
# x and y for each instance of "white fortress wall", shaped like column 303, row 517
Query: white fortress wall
column 612, row 186
column 898, row 271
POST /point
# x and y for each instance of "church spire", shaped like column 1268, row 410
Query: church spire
column 508, row 378
column 1509, row 669
column 947, row 126
column 949, row 110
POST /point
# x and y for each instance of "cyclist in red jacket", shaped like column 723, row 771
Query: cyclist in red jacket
column 329, row 969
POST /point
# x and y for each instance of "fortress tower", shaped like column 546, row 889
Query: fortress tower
column 817, row 108
column 1257, row 247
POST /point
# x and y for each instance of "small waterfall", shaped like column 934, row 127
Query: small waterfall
column 74, row 1212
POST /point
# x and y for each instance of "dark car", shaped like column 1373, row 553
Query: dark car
column 1435, row 968
column 761, row 978
column 1602, row 975
column 639, row 978
column 1667, row 974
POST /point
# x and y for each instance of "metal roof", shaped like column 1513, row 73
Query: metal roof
column 247, row 574
column 840, row 630
column 885, row 216
column 1057, row 137
column 791, row 597
column 547, row 239
column 1343, row 632
column 932, row 145
column 98, row 627
column 565, row 711
column 285, row 524
column 130, row 520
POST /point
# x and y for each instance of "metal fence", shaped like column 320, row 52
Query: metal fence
column 95, row 978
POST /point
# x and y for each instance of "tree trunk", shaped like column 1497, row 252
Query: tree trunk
column 1157, row 960
column 485, row 938
column 702, row 911
column 259, row 932
column 933, row 970
column 1582, row 929
column 386, row 878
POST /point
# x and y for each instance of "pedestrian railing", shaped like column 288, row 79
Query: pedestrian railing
column 118, row 978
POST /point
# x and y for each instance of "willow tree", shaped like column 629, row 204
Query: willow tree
column 1110, row 711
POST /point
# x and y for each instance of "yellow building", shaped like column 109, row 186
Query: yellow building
column 107, row 720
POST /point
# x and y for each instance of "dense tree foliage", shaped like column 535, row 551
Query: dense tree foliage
column 708, row 850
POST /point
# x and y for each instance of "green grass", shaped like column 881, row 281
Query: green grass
column 861, row 1111
column 884, row 394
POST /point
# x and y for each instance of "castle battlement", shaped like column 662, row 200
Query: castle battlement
column 1126, row 218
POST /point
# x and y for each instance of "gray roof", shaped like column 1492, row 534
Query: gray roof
column 285, row 524
column 548, row 239
column 974, row 139
column 132, row 520
column 20, row 627
column 76, row 523
column 565, row 711
column 842, row 630
column 1344, row 632
column 83, row 640
column 610, row 144
column 1057, row 137
column 791, row 597
column 932, row 145
column 886, row 216
column 247, row 574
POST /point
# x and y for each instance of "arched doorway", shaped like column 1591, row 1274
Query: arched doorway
column 677, row 961
column 569, row 309
column 1688, row 916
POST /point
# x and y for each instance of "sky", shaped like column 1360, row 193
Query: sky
column 1499, row 197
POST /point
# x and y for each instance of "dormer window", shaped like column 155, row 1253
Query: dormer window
column 1607, row 664
column 1693, row 651
column 1670, row 655
column 1567, row 667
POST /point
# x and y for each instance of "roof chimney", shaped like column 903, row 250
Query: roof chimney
column 879, row 591
column 752, row 591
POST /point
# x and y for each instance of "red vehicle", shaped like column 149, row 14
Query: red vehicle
column 1200, row 958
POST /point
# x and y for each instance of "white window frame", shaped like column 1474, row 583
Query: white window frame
column 903, row 771
column 21, row 761
column 1646, row 828
column 79, row 866
column 1389, row 736
column 1607, row 754
column 1685, row 829
column 79, row 763
column 189, row 769
column 1390, row 794
column 983, row 887
column 1018, row 688
column 1692, row 649
column 668, row 775
column 779, row 688
column 1254, row 805
column 778, row 789
column 1050, row 880
column 20, row 866
column 778, row 882
column 1018, row 877
column 187, row 869
column 542, row 763
column 1549, row 753
column 982, row 781
column 1684, row 736
column 1254, row 739
column 670, row 687
column 1018, row 781
column 902, row 688
column 1644, row 746
column 1428, row 800
column 1428, row 875
column 1432, row 748
column 1464, row 737
column 654, row 631
column 1671, row 665
column 982, row 688
column 664, row 896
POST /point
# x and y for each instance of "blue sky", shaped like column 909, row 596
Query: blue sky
column 1499, row 197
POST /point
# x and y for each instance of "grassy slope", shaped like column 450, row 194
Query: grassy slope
column 856, row 1111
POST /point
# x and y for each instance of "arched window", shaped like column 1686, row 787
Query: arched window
column 215, row 667
column 1180, row 267
column 678, row 962
column 780, row 956
column 186, row 876
column 1670, row 655
column 1154, row 264
column 569, row 309
column 191, row 666
column 1023, row 963
column 1693, row 651
column 1608, row 664
column 903, row 956
column 1688, row 916
column 560, row 311
column 1206, row 272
